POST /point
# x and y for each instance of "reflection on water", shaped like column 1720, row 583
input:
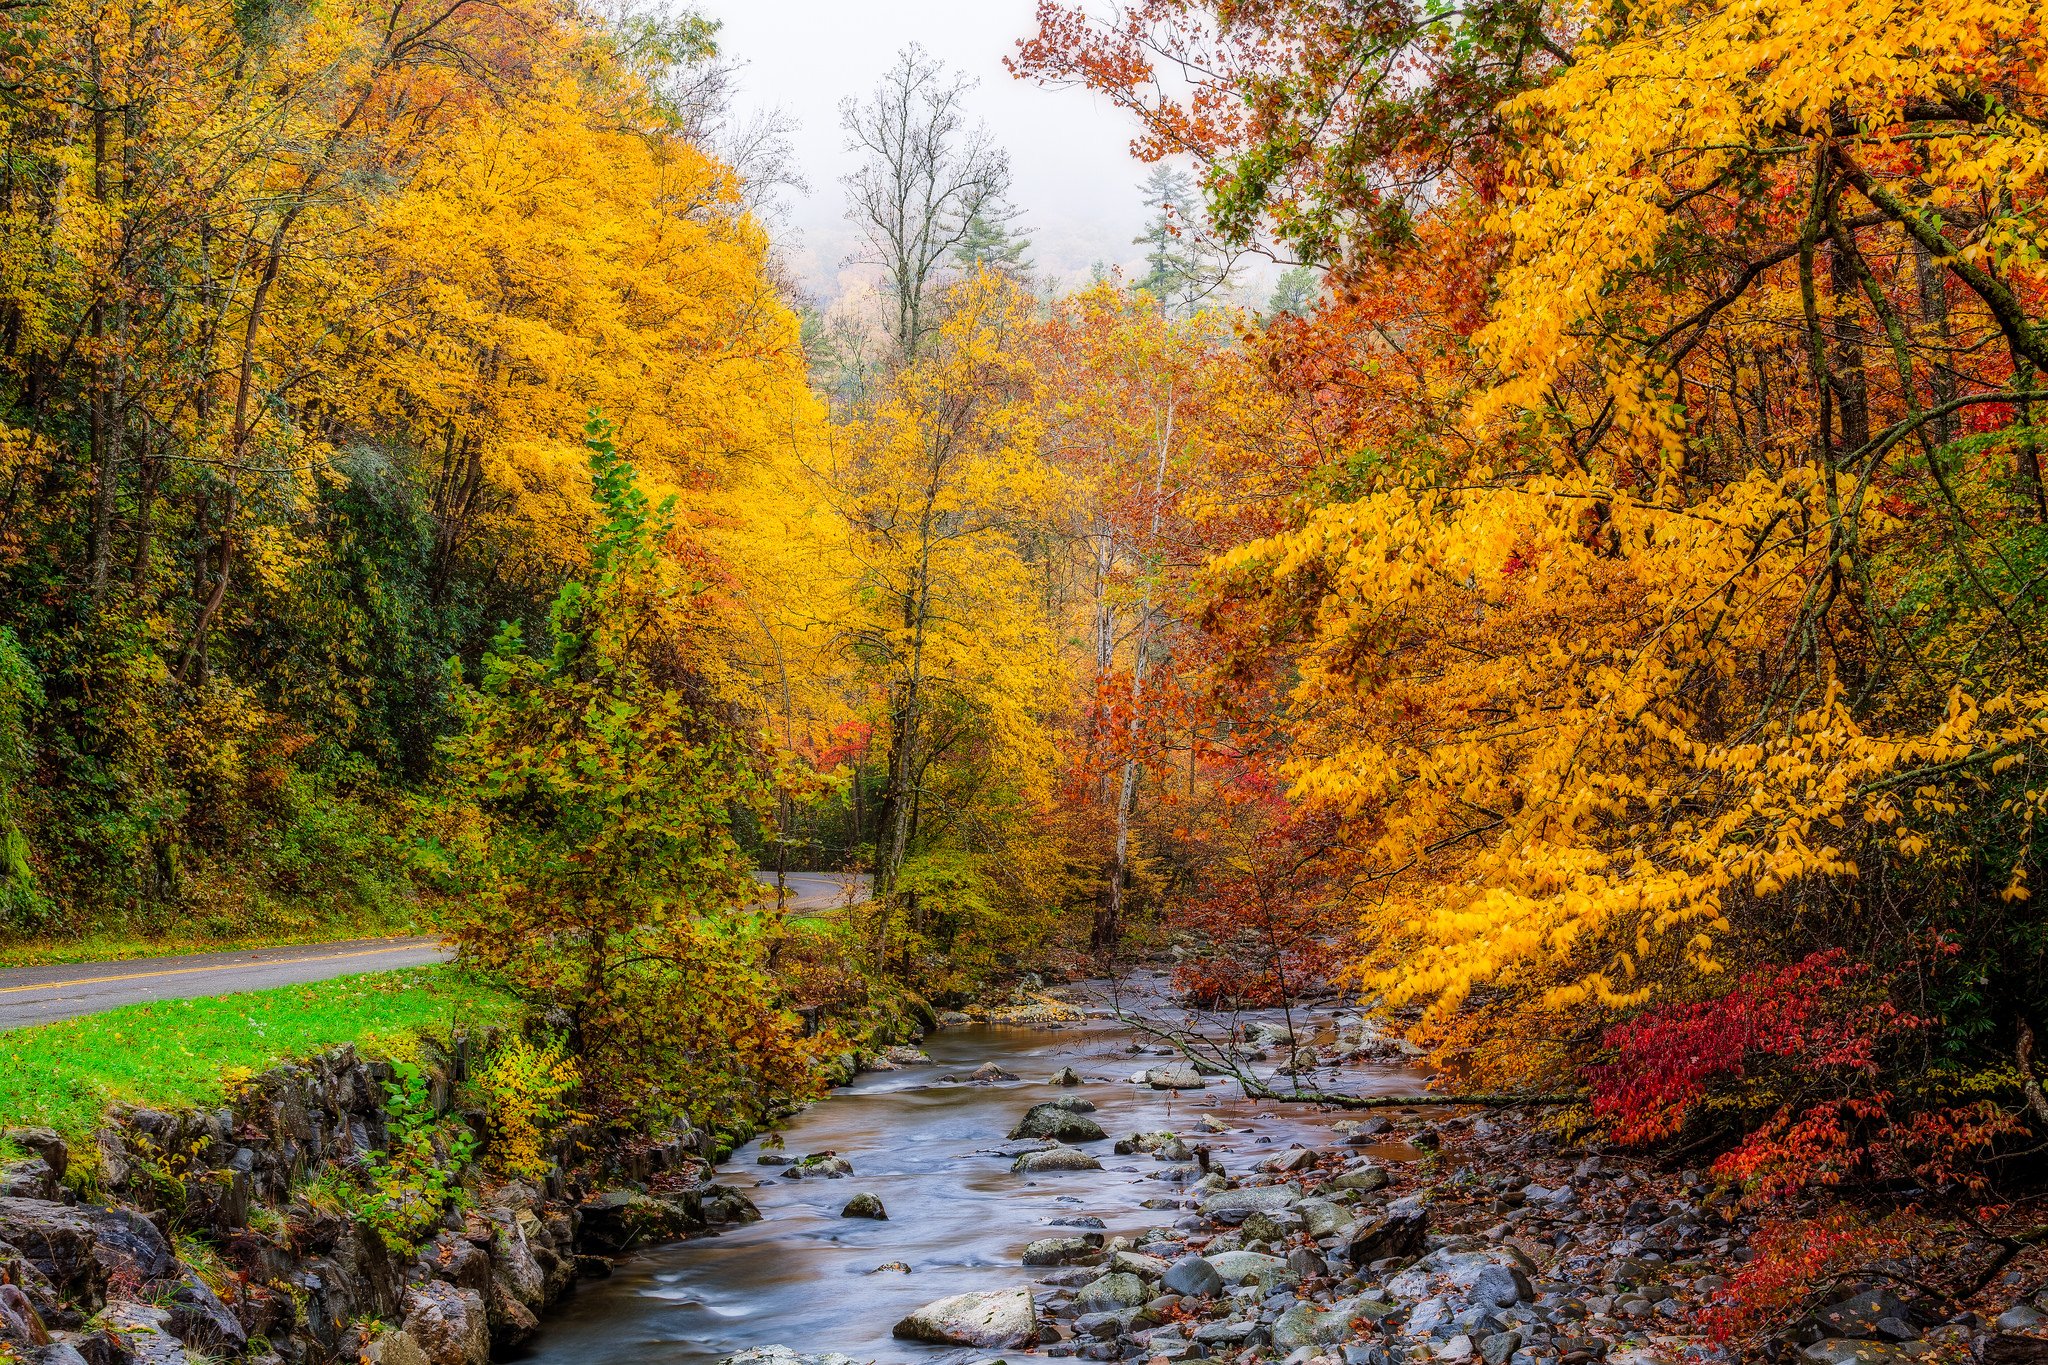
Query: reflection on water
column 806, row 1278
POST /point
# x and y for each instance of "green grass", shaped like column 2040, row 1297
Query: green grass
column 181, row 1053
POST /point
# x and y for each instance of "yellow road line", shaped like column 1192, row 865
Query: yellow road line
column 219, row 967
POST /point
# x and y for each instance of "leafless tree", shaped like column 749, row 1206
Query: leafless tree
column 927, row 175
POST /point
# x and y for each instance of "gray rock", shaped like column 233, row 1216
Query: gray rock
column 31, row 1178
column 1226, row 1333
column 1253, row 1267
column 449, row 1323
column 1234, row 1206
column 1063, row 1250
column 1151, row 1269
column 1499, row 1347
column 1066, row 1075
column 1055, row 1159
column 1499, row 1286
column 1119, row 1289
column 1858, row 1315
column 1180, row 1077
column 1396, row 1231
column 394, row 1347
column 1846, row 1351
column 45, row 1143
column 1058, row 1122
column 1306, row 1325
column 1192, row 1277
column 1364, row 1179
column 144, row 1331
column 783, row 1355
column 1000, row 1320
column 865, row 1206
column 2017, row 1318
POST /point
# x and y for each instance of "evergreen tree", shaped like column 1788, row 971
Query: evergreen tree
column 1294, row 293
column 1170, row 263
column 991, row 241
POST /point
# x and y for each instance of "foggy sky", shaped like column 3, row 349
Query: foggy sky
column 1069, row 150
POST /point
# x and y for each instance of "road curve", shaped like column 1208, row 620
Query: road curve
column 43, row 995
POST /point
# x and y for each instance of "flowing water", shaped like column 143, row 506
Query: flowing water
column 806, row 1278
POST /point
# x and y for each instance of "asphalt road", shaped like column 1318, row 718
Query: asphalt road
column 42, row 995
column 810, row 892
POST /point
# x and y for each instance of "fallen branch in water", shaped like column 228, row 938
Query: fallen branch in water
column 1220, row 1062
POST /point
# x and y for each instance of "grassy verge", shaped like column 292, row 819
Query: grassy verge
column 179, row 1053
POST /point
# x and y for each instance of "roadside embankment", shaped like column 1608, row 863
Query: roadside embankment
column 405, row 1197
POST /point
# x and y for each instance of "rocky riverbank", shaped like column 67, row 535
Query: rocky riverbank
column 1423, row 1234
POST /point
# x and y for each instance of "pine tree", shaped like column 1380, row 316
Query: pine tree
column 990, row 241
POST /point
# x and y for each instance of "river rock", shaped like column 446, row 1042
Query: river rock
column 1396, row 1232
column 1364, row 1179
column 616, row 1221
column 1177, row 1077
column 1119, row 1289
column 865, row 1206
column 1057, row 1120
column 826, row 1165
column 1306, row 1325
column 1001, row 1319
column 1323, row 1218
column 783, row 1355
column 1192, row 1277
column 1149, row 1268
column 1249, row 1267
column 1055, row 1159
column 449, row 1323
column 1066, row 1075
column 1498, row 1286
column 1063, row 1250
column 1234, row 1206
column 986, row 1073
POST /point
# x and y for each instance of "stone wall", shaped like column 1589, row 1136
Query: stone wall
column 202, row 1234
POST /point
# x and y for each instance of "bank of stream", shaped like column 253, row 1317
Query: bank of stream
column 930, row 1143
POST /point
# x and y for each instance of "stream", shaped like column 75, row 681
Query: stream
column 806, row 1278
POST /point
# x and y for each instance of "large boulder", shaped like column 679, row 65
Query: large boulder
column 1002, row 1319
column 1058, row 1121
column 449, row 1324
